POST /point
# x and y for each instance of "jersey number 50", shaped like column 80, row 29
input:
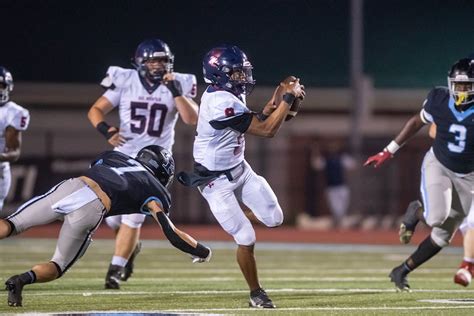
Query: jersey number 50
column 142, row 118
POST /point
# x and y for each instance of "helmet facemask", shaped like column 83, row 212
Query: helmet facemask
column 6, row 86
column 147, row 68
column 461, row 89
column 241, row 80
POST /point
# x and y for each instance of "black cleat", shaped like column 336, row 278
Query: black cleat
column 410, row 219
column 14, row 286
column 260, row 299
column 128, row 271
column 113, row 277
column 399, row 277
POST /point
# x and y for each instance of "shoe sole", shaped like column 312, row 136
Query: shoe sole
column 260, row 307
column 404, row 234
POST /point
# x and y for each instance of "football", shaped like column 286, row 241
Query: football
column 294, row 108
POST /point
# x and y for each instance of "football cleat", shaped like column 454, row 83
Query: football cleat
column 14, row 286
column 113, row 277
column 399, row 277
column 463, row 277
column 260, row 299
column 128, row 271
column 410, row 219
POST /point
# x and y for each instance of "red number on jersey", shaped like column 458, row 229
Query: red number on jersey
column 229, row 112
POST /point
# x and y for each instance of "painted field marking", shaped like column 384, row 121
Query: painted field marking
column 222, row 292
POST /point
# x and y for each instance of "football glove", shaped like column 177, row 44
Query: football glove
column 197, row 259
column 378, row 159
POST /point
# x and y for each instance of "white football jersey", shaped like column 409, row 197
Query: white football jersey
column 219, row 149
column 145, row 118
column 11, row 114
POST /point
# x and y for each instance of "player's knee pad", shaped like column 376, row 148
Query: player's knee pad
column 274, row 216
column 441, row 237
column 133, row 220
column 114, row 221
column 242, row 232
column 245, row 236
column 435, row 221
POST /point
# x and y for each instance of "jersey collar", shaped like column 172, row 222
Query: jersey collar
column 149, row 88
column 459, row 115
column 213, row 88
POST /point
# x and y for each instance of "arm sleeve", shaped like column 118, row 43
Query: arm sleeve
column 168, row 229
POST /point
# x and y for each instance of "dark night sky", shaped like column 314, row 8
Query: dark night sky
column 407, row 43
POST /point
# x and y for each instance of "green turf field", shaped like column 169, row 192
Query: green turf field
column 301, row 280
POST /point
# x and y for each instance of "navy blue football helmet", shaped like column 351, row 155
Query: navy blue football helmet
column 461, row 83
column 228, row 67
column 150, row 49
column 159, row 162
column 6, row 84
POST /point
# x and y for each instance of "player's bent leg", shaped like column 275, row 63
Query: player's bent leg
column 126, row 249
column 43, row 272
column 260, row 198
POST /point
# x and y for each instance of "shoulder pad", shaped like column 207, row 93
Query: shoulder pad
column 117, row 77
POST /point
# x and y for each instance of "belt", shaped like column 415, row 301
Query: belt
column 202, row 175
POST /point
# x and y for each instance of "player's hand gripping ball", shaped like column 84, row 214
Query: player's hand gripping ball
column 280, row 91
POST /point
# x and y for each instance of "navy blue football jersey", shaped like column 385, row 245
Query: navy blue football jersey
column 128, row 184
column 454, row 142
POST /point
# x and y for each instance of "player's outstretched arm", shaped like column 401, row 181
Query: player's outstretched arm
column 270, row 126
column 412, row 126
column 178, row 238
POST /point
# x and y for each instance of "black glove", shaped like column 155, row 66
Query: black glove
column 175, row 87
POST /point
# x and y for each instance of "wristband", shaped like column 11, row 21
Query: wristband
column 392, row 147
column 103, row 128
column 175, row 88
column 288, row 98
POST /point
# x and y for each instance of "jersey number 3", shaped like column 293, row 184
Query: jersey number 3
column 143, row 119
column 460, row 137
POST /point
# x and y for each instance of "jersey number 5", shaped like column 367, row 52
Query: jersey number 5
column 143, row 119
column 460, row 137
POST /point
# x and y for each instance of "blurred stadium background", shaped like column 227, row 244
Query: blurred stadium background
column 367, row 64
